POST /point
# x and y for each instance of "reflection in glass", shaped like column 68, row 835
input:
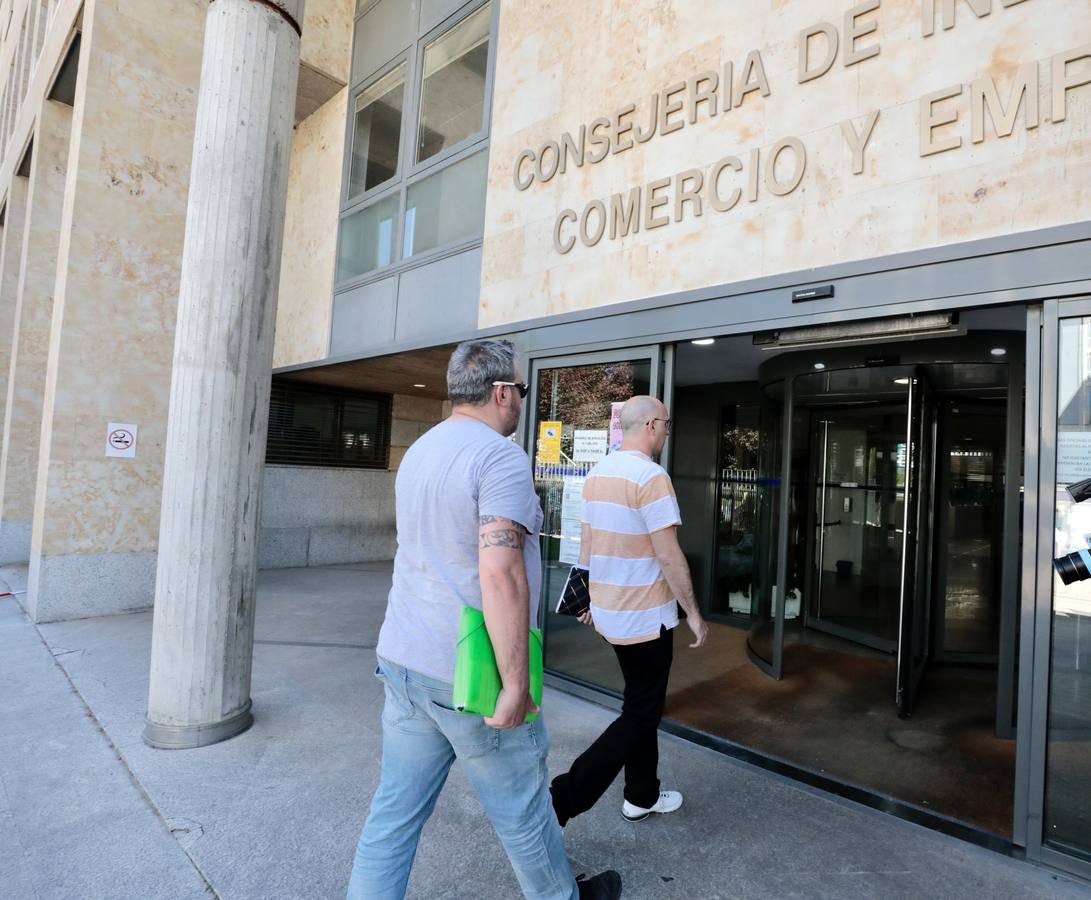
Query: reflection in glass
column 452, row 106
column 580, row 399
column 376, row 132
column 1068, row 765
column 768, row 500
column 972, row 528
column 739, row 503
column 446, row 206
column 367, row 239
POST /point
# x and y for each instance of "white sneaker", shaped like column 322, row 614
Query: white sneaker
column 668, row 802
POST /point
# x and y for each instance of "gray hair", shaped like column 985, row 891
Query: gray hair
column 474, row 366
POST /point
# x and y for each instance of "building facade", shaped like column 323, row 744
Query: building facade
column 849, row 245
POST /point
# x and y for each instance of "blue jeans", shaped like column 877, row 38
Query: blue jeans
column 422, row 736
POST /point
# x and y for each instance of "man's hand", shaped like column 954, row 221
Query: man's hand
column 585, row 618
column 511, row 711
column 699, row 627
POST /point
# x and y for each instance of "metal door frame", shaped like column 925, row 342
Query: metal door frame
column 1037, row 606
column 661, row 370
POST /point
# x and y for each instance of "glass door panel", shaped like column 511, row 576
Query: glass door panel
column 1067, row 814
column 573, row 425
column 916, row 578
column 765, row 641
column 860, row 510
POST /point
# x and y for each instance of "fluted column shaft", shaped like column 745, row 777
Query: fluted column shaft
column 203, row 632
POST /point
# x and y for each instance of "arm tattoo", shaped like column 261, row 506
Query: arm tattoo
column 502, row 537
column 506, row 533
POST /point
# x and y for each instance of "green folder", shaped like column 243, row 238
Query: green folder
column 477, row 679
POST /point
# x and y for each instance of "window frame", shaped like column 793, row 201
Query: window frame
column 410, row 173
column 430, row 37
column 351, row 201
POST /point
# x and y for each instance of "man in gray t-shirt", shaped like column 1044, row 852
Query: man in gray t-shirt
column 468, row 521
column 459, row 471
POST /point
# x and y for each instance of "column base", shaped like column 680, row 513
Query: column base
column 189, row 737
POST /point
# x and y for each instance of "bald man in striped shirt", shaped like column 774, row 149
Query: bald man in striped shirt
column 638, row 576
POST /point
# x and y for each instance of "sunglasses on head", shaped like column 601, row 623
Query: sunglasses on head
column 520, row 386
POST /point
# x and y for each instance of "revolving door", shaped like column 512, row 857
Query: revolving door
column 874, row 486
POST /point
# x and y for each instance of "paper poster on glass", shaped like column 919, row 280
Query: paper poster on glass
column 590, row 445
column 549, row 443
column 616, row 435
column 571, row 516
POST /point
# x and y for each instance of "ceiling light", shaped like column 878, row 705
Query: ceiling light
column 704, row 342
column 998, row 351
column 420, row 385
column 900, row 380
column 820, row 366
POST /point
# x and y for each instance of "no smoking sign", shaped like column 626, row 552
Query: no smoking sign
column 121, row 440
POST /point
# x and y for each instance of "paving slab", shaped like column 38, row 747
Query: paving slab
column 73, row 822
column 276, row 811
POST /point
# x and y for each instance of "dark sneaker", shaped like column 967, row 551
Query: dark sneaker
column 604, row 886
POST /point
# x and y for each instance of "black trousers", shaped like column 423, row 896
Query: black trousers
column 630, row 742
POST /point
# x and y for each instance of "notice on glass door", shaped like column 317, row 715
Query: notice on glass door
column 571, row 515
column 590, row 445
column 1073, row 456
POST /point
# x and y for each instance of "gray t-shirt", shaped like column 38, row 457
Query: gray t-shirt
column 459, row 470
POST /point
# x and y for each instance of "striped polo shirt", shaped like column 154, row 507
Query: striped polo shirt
column 626, row 497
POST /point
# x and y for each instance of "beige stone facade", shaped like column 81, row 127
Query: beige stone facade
column 966, row 177
column 94, row 184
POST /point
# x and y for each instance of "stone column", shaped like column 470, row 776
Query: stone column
column 203, row 632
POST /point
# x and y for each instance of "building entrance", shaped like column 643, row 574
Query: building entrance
column 881, row 489
column 851, row 517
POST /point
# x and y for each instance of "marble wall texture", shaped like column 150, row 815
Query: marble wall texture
column 31, row 323
column 11, row 258
column 103, row 351
column 96, row 519
column 564, row 63
column 310, row 235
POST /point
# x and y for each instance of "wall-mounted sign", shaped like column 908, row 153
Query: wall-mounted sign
column 121, row 440
column 549, row 443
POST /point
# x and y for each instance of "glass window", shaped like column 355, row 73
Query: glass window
column 446, row 206
column 317, row 426
column 1068, row 765
column 367, row 239
column 452, row 106
column 376, row 132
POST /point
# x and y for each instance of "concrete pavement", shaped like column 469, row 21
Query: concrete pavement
column 88, row 811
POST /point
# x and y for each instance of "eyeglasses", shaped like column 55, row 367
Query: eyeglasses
column 668, row 421
column 518, row 385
